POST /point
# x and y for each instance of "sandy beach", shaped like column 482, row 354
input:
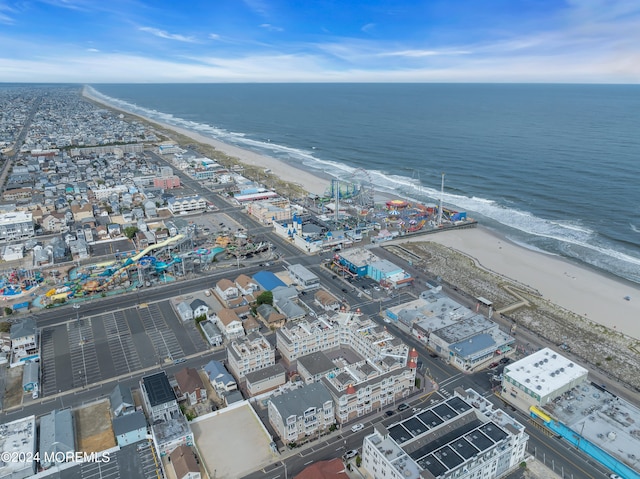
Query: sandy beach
column 585, row 292
column 595, row 296
column 310, row 182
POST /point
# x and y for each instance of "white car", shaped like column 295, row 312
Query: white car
column 357, row 427
column 350, row 454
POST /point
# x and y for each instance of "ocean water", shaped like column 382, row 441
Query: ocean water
column 555, row 168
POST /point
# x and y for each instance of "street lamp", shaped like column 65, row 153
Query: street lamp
column 76, row 306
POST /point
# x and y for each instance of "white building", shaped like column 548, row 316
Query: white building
column 159, row 398
column 18, row 438
column 16, row 225
column 305, row 279
column 540, row 378
column 249, row 353
column 462, row 437
column 186, row 204
column 301, row 412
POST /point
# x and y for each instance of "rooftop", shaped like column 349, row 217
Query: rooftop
column 158, row 389
column 544, row 371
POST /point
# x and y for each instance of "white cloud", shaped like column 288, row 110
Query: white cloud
column 423, row 53
column 93, row 50
column 368, row 27
column 271, row 28
column 214, row 36
column 5, row 14
column 169, row 36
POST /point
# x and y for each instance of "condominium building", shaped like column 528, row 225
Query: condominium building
column 249, row 353
column 16, row 225
column 462, row 437
column 186, row 204
column 301, row 412
column 351, row 329
column 361, row 387
column 308, row 335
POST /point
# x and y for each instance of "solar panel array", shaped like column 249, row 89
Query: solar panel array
column 464, row 436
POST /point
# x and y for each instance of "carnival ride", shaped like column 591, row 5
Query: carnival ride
column 16, row 282
column 356, row 188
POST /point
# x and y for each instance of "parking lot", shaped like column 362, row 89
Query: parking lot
column 87, row 350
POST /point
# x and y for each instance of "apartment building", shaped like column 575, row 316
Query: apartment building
column 16, row 225
column 462, row 437
column 299, row 338
column 301, row 412
column 186, row 204
column 249, row 353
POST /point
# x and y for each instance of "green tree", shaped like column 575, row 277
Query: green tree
column 265, row 298
column 8, row 311
column 5, row 327
column 130, row 231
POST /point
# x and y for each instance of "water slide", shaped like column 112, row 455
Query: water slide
column 162, row 244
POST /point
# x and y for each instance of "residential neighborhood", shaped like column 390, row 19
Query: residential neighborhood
column 166, row 310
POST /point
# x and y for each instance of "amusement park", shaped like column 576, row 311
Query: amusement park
column 160, row 263
column 352, row 202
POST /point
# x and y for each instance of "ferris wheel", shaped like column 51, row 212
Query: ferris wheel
column 363, row 187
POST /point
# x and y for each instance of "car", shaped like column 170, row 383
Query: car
column 334, row 277
column 350, row 454
column 345, row 290
column 494, row 365
column 505, row 360
column 403, row 407
column 614, row 476
column 357, row 427
column 389, row 413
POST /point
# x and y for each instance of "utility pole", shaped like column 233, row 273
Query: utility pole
column 441, row 195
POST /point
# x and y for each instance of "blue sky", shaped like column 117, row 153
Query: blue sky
column 85, row 41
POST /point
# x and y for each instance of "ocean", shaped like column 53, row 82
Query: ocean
column 554, row 168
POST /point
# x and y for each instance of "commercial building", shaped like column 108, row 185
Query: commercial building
column 539, row 378
column 18, row 437
column 305, row 279
column 462, row 437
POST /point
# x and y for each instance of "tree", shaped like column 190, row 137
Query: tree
column 130, row 231
column 5, row 327
column 265, row 298
column 7, row 311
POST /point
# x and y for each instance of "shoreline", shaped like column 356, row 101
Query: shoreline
column 593, row 294
column 311, row 182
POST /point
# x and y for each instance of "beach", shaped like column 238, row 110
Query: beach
column 588, row 293
column 313, row 183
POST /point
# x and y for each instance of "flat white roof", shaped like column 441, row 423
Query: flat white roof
column 544, row 371
column 18, row 437
column 15, row 217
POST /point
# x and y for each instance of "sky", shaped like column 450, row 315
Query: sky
column 203, row 41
